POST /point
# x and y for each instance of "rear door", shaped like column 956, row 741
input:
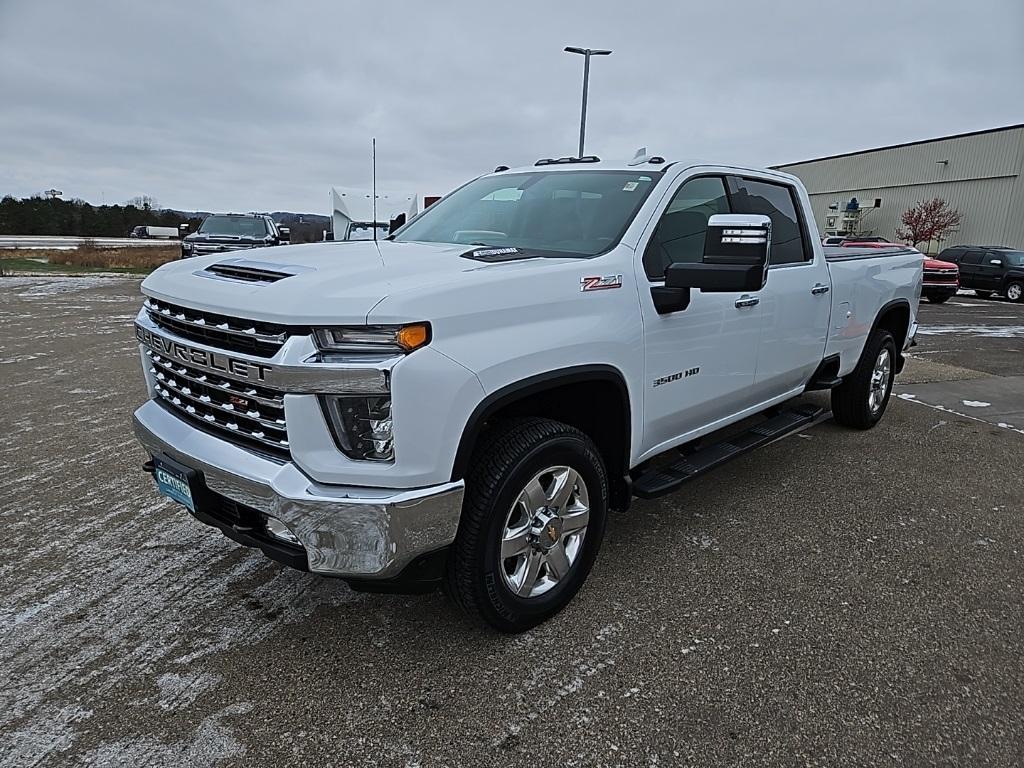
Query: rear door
column 970, row 270
column 699, row 361
column 796, row 301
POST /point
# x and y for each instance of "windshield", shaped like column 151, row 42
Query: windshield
column 574, row 213
column 234, row 226
column 360, row 231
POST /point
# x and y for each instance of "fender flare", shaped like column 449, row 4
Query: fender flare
column 532, row 385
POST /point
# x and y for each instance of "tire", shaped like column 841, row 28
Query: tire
column 860, row 400
column 1014, row 291
column 938, row 298
column 982, row 294
column 521, row 461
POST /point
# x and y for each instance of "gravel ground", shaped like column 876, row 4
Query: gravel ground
column 838, row 598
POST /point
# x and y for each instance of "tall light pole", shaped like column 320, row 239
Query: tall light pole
column 586, row 53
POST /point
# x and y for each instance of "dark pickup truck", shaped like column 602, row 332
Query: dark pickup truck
column 233, row 232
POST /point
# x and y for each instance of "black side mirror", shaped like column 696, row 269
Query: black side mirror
column 396, row 222
column 286, row 234
column 736, row 251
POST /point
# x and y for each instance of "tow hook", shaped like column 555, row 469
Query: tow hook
column 148, row 467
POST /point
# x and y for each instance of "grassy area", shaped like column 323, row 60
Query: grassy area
column 88, row 259
column 23, row 266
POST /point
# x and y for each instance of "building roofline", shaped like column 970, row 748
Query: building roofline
column 898, row 146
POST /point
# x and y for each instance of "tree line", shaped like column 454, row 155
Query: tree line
column 53, row 216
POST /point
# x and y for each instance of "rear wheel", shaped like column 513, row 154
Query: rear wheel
column 861, row 399
column 982, row 294
column 1015, row 291
column 532, row 523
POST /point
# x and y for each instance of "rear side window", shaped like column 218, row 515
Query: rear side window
column 777, row 202
column 971, row 257
column 679, row 236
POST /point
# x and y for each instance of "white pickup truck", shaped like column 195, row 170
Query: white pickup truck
column 464, row 402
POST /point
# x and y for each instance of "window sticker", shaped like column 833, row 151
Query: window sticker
column 630, row 186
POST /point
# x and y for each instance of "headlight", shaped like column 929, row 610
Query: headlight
column 373, row 338
column 361, row 426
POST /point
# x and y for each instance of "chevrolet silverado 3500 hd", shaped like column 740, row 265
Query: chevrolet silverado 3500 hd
column 463, row 402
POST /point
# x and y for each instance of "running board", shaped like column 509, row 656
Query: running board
column 667, row 478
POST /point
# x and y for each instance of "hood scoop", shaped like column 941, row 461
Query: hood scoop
column 249, row 271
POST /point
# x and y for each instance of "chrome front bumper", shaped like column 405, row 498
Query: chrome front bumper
column 351, row 532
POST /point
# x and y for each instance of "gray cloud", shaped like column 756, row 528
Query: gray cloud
column 242, row 106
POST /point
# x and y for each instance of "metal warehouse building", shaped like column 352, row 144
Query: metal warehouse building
column 980, row 174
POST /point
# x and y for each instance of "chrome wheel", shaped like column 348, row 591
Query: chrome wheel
column 1014, row 291
column 544, row 531
column 879, row 381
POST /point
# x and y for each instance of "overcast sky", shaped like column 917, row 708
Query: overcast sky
column 258, row 106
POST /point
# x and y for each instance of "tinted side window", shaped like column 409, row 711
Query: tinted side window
column 776, row 201
column 990, row 257
column 971, row 257
column 679, row 236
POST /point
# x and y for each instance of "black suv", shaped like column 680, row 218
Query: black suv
column 989, row 269
column 232, row 232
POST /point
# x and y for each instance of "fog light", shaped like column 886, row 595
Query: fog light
column 361, row 426
column 279, row 530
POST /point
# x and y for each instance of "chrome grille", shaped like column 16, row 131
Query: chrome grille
column 227, row 333
column 204, row 249
column 235, row 410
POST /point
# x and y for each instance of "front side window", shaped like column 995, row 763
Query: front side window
column 564, row 213
column 679, row 236
column 1016, row 258
column 776, row 201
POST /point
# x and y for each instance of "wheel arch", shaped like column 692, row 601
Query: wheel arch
column 894, row 317
column 592, row 398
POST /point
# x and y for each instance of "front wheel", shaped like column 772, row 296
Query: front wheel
column 532, row 523
column 860, row 400
column 1015, row 291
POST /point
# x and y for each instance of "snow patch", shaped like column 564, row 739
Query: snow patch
column 976, row 403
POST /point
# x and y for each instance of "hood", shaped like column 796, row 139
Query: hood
column 936, row 264
column 325, row 283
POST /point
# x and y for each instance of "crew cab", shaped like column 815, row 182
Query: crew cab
column 989, row 269
column 463, row 403
column 221, row 232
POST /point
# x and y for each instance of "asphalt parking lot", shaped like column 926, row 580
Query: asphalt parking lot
column 838, row 598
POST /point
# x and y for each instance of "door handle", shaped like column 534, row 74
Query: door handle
column 747, row 301
column 819, row 288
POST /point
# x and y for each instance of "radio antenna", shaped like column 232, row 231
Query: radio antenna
column 374, row 156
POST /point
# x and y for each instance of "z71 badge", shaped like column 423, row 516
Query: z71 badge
column 600, row 283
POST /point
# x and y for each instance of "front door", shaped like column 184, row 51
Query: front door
column 700, row 361
column 796, row 301
column 991, row 271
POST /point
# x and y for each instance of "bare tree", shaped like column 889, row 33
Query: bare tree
column 144, row 202
column 927, row 221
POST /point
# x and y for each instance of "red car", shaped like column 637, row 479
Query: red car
column 941, row 278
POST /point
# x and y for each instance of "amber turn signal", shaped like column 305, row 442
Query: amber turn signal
column 410, row 337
